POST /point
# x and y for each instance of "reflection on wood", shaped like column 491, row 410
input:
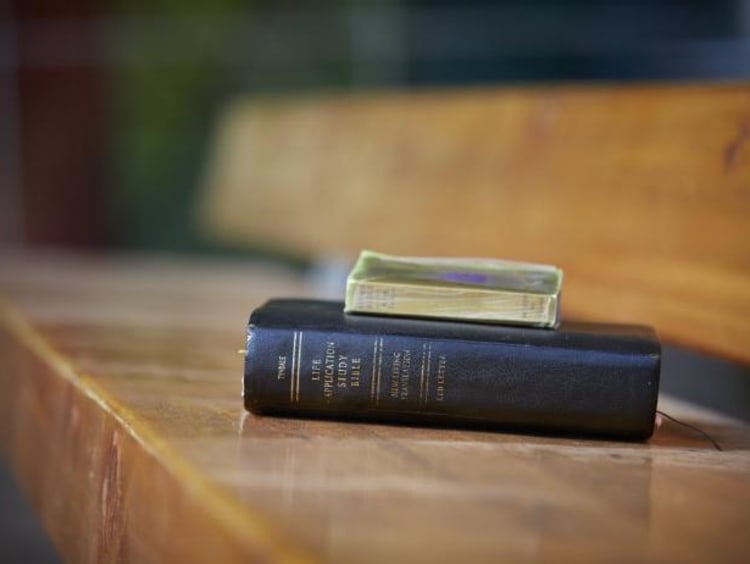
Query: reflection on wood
column 120, row 414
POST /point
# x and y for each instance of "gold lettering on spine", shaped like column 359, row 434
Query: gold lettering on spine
column 299, row 365
column 329, row 362
column 379, row 370
column 374, row 370
column 421, row 374
column 440, row 380
column 427, row 373
column 294, row 366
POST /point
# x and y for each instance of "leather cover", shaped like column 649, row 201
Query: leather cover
column 309, row 358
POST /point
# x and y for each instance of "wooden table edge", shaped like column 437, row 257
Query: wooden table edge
column 251, row 536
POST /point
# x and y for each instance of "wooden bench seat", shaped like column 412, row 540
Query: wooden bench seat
column 120, row 414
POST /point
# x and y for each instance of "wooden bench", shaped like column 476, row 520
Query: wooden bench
column 641, row 193
column 120, row 414
column 120, row 409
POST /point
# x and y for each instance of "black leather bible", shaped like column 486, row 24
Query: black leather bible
column 308, row 358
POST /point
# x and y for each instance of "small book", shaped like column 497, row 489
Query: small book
column 480, row 290
column 309, row 358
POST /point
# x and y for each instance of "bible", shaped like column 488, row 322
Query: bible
column 467, row 289
column 309, row 358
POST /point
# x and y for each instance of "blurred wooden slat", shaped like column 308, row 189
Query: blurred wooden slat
column 642, row 194
column 121, row 417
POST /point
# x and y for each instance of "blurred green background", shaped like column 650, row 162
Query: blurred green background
column 110, row 105
column 176, row 64
column 164, row 111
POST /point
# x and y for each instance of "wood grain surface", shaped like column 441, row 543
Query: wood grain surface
column 120, row 414
column 640, row 193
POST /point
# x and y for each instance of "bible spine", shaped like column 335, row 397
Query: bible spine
column 308, row 358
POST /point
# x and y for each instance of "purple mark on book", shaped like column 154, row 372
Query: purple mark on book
column 465, row 277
